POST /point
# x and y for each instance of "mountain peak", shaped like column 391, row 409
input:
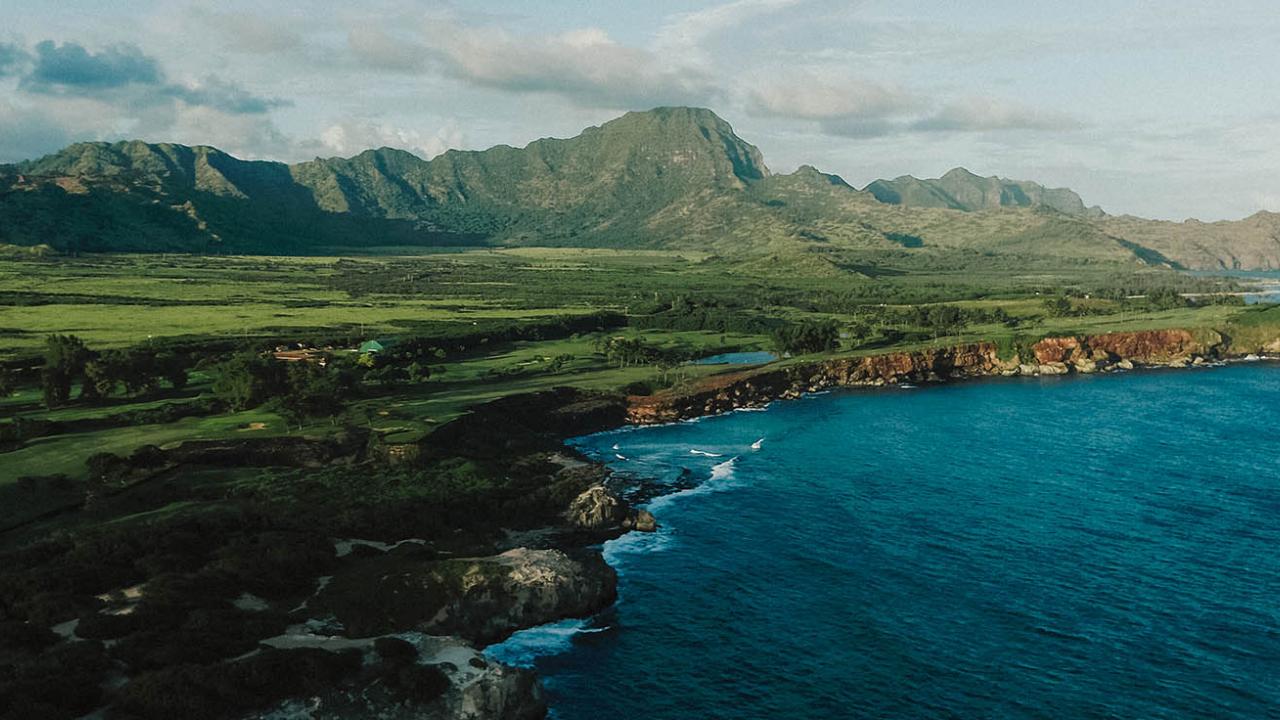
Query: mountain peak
column 685, row 139
column 961, row 173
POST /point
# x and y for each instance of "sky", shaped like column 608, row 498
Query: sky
column 1166, row 109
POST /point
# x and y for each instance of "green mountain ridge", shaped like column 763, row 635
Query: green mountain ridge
column 664, row 178
column 960, row 189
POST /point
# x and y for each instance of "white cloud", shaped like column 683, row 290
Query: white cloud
column 353, row 136
column 377, row 48
column 849, row 106
column 830, row 98
column 251, row 33
column 585, row 65
column 982, row 113
column 28, row 132
column 689, row 31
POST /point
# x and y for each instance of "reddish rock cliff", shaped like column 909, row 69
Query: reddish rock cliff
column 727, row 392
column 1053, row 356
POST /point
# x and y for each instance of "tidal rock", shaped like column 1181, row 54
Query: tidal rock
column 1053, row 368
column 1125, row 364
column 642, row 521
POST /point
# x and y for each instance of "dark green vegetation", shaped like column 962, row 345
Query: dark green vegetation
column 182, row 437
column 667, row 178
column 159, row 463
column 960, row 189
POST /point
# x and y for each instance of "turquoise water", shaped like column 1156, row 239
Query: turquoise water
column 737, row 358
column 1082, row 547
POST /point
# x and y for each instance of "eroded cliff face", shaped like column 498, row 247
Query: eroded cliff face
column 1152, row 346
column 727, row 392
column 1051, row 356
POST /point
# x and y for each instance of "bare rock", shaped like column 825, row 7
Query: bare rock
column 481, row 599
column 598, row 509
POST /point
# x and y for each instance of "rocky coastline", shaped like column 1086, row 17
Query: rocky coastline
column 540, row 422
column 1113, row 352
column 448, row 605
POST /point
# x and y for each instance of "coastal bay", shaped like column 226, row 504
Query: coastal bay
column 1078, row 541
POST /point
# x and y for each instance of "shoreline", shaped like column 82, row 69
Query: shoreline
column 755, row 389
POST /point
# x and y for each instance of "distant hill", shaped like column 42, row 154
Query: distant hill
column 669, row 177
column 960, row 189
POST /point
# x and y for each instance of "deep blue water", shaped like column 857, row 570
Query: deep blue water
column 1082, row 547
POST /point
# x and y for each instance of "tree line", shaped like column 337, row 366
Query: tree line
column 100, row 374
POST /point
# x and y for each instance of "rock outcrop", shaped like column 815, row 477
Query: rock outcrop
column 478, row 688
column 482, row 599
column 597, row 509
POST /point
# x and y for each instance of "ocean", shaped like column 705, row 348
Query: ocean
column 1079, row 547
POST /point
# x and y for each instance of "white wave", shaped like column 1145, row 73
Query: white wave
column 635, row 543
column 724, row 470
column 906, row 386
column 721, row 478
column 757, row 444
column 526, row 646
column 704, row 453
column 620, row 457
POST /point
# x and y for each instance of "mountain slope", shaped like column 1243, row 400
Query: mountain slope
column 669, row 177
column 960, row 189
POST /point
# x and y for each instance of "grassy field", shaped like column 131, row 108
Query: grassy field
column 124, row 300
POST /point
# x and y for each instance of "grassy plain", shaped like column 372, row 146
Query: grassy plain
column 223, row 302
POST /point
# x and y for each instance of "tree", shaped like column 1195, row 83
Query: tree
column 8, row 383
column 173, row 367
column 138, row 371
column 101, row 375
column 248, row 379
column 808, row 336
column 387, row 375
column 419, row 372
column 1058, row 306
column 311, row 391
column 64, row 360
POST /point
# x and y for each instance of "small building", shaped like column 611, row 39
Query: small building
column 371, row 347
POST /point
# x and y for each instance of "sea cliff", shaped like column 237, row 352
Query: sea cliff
column 1050, row 356
column 535, row 422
